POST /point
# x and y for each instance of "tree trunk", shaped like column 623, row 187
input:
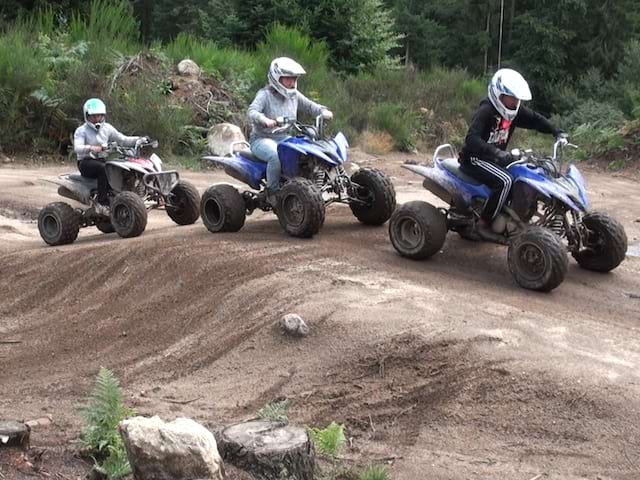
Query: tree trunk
column 14, row 434
column 269, row 450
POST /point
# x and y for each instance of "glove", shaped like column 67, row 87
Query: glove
column 503, row 158
column 142, row 141
column 562, row 138
column 327, row 114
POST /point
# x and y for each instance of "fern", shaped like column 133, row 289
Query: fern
column 329, row 440
column 276, row 411
column 375, row 472
column 100, row 435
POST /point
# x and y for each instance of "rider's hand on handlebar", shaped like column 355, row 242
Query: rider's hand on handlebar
column 270, row 123
column 95, row 149
column 503, row 158
column 327, row 114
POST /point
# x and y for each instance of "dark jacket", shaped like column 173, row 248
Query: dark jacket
column 489, row 132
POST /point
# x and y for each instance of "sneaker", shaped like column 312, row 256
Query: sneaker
column 102, row 210
column 272, row 197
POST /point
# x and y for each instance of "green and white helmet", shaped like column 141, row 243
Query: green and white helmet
column 94, row 106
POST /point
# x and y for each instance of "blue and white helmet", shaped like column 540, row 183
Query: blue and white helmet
column 508, row 82
column 284, row 67
column 94, row 106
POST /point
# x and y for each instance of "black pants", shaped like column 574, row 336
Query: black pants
column 92, row 168
column 498, row 179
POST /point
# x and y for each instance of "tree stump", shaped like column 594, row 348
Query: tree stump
column 14, row 434
column 269, row 450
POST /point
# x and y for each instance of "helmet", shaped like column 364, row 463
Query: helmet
column 94, row 106
column 284, row 67
column 508, row 82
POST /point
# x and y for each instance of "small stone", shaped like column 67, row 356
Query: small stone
column 294, row 325
column 39, row 422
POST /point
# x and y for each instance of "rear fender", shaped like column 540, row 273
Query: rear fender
column 447, row 186
column 73, row 189
column 242, row 169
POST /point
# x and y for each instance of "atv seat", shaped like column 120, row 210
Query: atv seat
column 91, row 183
column 452, row 165
column 248, row 154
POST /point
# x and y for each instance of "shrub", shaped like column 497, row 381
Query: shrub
column 329, row 440
column 100, row 435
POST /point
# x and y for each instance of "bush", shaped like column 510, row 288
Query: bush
column 100, row 435
column 597, row 114
column 329, row 440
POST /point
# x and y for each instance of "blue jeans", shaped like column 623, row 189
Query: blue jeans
column 266, row 150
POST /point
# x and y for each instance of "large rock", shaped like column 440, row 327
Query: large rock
column 221, row 136
column 178, row 450
column 188, row 68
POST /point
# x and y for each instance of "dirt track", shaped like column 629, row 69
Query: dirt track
column 445, row 368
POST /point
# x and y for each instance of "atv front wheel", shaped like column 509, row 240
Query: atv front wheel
column 223, row 209
column 58, row 224
column 417, row 230
column 537, row 259
column 128, row 214
column 376, row 190
column 183, row 206
column 606, row 243
column 300, row 208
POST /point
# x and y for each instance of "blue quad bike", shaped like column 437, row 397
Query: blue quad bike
column 547, row 214
column 313, row 176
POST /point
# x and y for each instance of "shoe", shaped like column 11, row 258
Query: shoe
column 272, row 197
column 102, row 210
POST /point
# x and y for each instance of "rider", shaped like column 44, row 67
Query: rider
column 484, row 154
column 91, row 137
column 280, row 98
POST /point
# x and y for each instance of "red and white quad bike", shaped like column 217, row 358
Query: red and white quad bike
column 137, row 184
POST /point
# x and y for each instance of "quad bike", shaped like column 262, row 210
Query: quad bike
column 137, row 184
column 547, row 214
column 313, row 177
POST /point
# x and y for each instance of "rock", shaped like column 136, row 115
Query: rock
column 269, row 450
column 40, row 422
column 221, row 136
column 178, row 450
column 188, row 68
column 294, row 325
column 5, row 159
column 14, row 434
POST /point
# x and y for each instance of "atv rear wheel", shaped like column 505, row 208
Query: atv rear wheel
column 417, row 230
column 300, row 208
column 537, row 259
column 128, row 214
column 183, row 206
column 375, row 188
column 58, row 224
column 223, row 209
column 606, row 244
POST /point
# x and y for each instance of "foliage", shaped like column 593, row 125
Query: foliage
column 276, row 411
column 375, row 472
column 100, row 435
column 329, row 440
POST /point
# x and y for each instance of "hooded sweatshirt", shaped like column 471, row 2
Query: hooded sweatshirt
column 87, row 135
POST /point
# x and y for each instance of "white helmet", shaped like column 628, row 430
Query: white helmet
column 284, row 67
column 508, row 82
column 94, row 106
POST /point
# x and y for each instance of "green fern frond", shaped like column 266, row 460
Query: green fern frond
column 276, row 411
column 329, row 440
column 375, row 472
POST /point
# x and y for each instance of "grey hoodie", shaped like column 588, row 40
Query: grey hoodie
column 87, row 136
column 270, row 104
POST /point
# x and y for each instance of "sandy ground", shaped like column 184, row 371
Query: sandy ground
column 443, row 369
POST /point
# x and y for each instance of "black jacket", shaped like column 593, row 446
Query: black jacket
column 489, row 132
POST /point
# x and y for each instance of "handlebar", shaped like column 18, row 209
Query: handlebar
column 286, row 124
column 113, row 147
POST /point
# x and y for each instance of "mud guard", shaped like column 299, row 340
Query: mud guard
column 247, row 171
